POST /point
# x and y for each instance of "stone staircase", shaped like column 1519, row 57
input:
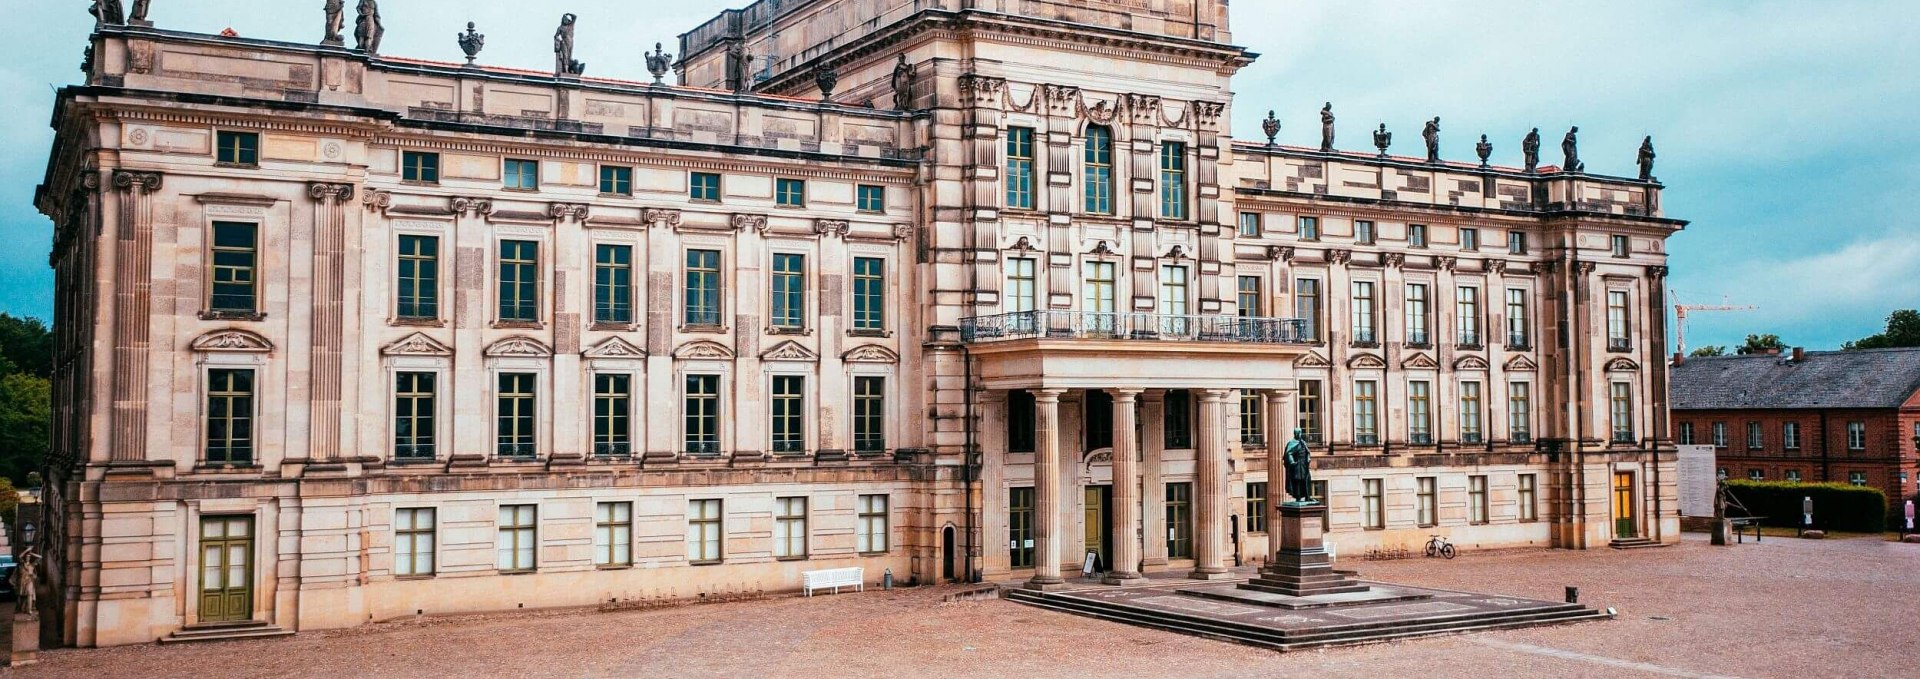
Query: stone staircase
column 226, row 631
column 1635, row 543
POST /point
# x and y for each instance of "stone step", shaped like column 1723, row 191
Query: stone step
column 1313, row 589
column 252, row 629
column 1635, row 543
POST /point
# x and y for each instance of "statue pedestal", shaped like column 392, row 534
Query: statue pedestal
column 26, row 640
column 1301, row 565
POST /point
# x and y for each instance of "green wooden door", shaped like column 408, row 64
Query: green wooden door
column 226, row 568
column 1623, row 518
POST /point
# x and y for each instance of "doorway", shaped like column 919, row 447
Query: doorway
column 1099, row 525
column 947, row 540
column 226, row 568
column 1623, row 515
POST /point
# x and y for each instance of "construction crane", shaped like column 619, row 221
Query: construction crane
column 1680, row 315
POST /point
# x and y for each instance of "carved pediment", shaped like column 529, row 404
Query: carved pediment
column 519, row 346
column 1312, row 359
column 1366, row 361
column 870, row 353
column 232, row 339
column 1419, row 361
column 1622, row 365
column 703, row 350
column 789, row 351
column 1521, row 364
column 1470, row 363
column 416, row 344
column 614, row 347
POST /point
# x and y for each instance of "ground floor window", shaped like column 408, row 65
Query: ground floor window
column 1428, row 503
column 1529, row 497
column 703, row 531
column 1372, row 506
column 1179, row 520
column 613, row 534
column 871, row 536
column 1320, row 493
column 413, row 541
column 518, row 536
column 790, row 528
column 1857, row 478
column 1477, row 499
column 1257, row 507
column 1020, row 527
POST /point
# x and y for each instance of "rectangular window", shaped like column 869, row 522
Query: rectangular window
column 1363, row 232
column 703, row 532
column 1470, row 413
column 1620, row 246
column 519, row 281
column 1518, row 328
column 703, row 186
column 1529, row 497
column 1686, row 433
column 1179, row 419
column 1307, row 306
column 612, row 410
column 1173, row 180
column 789, row 403
column 416, row 166
column 413, row 421
column 871, row 199
column 1466, row 307
column 1020, row 168
column 1419, row 413
column 413, row 541
column 871, row 534
column 1366, row 413
column 789, row 290
column 1618, row 330
column 1470, row 239
column 1173, row 291
column 1253, row 421
column 790, row 528
column 417, row 278
column 1857, row 478
column 869, row 293
column 1477, row 499
column 616, row 180
column 702, row 408
column 1021, row 293
column 229, row 416
column 869, row 414
column 1020, row 421
column 237, row 148
column 1520, row 413
column 1720, row 434
column 1099, row 170
column 521, row 175
column 1417, row 313
column 1754, row 439
column 1250, row 224
column 1373, row 511
column 613, row 284
column 790, row 192
column 1363, row 324
column 1309, row 228
column 1257, row 507
column 235, row 255
column 1179, row 520
column 613, row 534
column 1789, row 435
column 1856, row 436
column 1248, row 303
column 1427, row 501
column 1310, row 409
column 513, row 415
column 518, row 536
column 702, row 303
column 1622, row 412
column 1516, row 242
column 1756, row 475
column 1417, row 235
column 1020, row 527
column 1793, row 475
column 1097, row 295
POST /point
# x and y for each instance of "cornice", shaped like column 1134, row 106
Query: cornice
column 1402, row 207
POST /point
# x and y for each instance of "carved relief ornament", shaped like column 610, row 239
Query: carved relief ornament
column 614, row 347
column 870, row 353
column 323, row 192
column 519, row 346
column 832, row 227
column 232, row 339
column 661, row 218
column 129, row 180
column 564, row 211
column 416, row 344
column 475, row 207
column 743, row 222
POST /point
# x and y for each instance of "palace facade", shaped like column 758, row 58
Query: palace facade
column 956, row 289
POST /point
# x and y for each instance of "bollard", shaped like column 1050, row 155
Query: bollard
column 886, row 579
column 1573, row 594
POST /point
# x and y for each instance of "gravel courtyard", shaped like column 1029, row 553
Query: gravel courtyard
column 1783, row 608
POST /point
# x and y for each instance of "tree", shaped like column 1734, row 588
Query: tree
column 1761, row 344
column 1709, row 351
column 1903, row 330
column 26, row 416
column 28, row 344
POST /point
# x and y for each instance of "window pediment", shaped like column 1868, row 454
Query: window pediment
column 614, row 347
column 416, row 344
column 789, row 351
column 870, row 353
column 232, row 339
column 519, row 346
column 703, row 349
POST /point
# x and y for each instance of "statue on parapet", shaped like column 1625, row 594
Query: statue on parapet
column 107, row 13
column 658, row 63
column 903, row 85
column 336, row 21
column 1432, row 135
column 563, row 61
column 1570, row 145
column 1299, row 474
column 1646, row 159
column 1484, row 149
column 367, row 30
column 139, row 15
column 1382, row 139
column 1531, row 148
column 1326, row 128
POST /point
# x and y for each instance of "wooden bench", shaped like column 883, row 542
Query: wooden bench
column 1740, row 524
column 833, row 578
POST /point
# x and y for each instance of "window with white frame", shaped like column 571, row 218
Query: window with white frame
column 870, row 536
column 1529, row 497
column 1366, row 430
column 1363, row 321
column 1622, row 407
column 1789, row 435
column 1471, row 413
column 1619, row 333
column 1856, row 436
column 788, row 292
column 1426, row 501
column 1520, row 412
column 1519, row 328
column 1373, row 504
column 613, row 534
column 1417, row 313
column 413, row 541
column 514, row 423
column 612, row 414
column 1477, row 499
column 704, row 531
column 413, row 415
column 1466, row 309
column 518, row 536
column 1420, row 412
column 789, row 528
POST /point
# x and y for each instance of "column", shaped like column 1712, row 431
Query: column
column 1280, row 418
column 1126, row 490
column 1210, row 487
column 1046, row 489
column 132, row 311
column 1153, row 486
column 327, row 316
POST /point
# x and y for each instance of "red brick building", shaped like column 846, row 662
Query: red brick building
column 1842, row 416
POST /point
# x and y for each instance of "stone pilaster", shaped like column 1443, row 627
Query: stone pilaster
column 1126, row 490
column 133, row 302
column 1279, row 431
column 1210, row 487
column 1048, row 526
column 327, row 315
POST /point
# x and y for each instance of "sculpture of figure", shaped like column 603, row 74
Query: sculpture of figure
column 1531, row 148
column 563, row 61
column 1570, row 145
column 1326, row 128
column 1382, row 139
column 738, row 64
column 25, row 576
column 366, row 27
column 1484, row 149
column 1432, row 135
column 471, row 42
column 139, row 15
column 336, row 19
column 1299, row 475
column 903, row 85
column 658, row 63
column 1271, row 126
column 107, row 12
column 1646, row 159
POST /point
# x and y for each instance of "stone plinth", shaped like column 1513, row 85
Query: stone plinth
column 1301, row 566
column 26, row 640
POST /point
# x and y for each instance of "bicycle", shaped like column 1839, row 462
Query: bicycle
column 1438, row 546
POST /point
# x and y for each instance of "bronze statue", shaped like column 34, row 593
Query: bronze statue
column 1432, row 135
column 366, row 27
column 1531, row 147
column 1299, row 474
column 658, row 63
column 336, row 20
column 1326, row 128
column 1382, row 139
column 1484, row 149
column 471, row 42
column 1646, row 159
column 903, row 85
column 1570, row 145
column 107, row 12
column 563, row 61
column 1271, row 126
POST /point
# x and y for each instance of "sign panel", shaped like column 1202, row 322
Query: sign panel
column 1698, row 480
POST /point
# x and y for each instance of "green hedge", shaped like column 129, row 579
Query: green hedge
column 1836, row 506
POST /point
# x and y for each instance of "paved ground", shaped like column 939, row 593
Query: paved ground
column 1785, row 608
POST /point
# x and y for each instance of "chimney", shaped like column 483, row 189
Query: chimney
column 1799, row 354
column 1679, row 358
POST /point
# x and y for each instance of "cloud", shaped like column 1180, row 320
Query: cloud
column 1817, row 299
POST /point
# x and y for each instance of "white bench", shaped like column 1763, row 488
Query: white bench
column 833, row 578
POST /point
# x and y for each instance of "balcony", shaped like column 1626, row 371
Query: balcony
column 1619, row 344
column 1133, row 326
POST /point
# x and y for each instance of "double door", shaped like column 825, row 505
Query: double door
column 1099, row 525
column 226, row 568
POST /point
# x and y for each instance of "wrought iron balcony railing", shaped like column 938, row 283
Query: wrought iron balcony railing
column 1133, row 326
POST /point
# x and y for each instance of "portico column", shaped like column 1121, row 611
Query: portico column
column 1126, row 490
column 1210, row 531
column 1046, row 489
column 1279, row 431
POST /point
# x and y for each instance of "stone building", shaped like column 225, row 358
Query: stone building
column 1814, row 416
column 956, row 288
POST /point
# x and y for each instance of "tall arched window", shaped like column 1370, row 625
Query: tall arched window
column 1099, row 170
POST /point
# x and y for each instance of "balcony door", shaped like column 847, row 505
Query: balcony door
column 1173, row 301
column 1097, row 298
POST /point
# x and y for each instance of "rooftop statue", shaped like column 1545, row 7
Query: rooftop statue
column 1382, row 139
column 107, row 12
column 1570, row 145
column 738, row 64
column 366, row 28
column 1646, row 159
column 139, row 16
column 563, row 61
column 1531, row 147
column 1432, row 135
column 1326, row 128
column 903, row 85
column 336, row 21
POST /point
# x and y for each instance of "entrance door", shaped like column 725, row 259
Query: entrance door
column 1623, row 523
column 226, row 568
column 1099, row 524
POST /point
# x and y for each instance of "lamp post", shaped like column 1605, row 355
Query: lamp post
column 28, row 532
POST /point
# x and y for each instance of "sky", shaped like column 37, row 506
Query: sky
column 1787, row 130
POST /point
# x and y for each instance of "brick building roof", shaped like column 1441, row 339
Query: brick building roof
column 1874, row 378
